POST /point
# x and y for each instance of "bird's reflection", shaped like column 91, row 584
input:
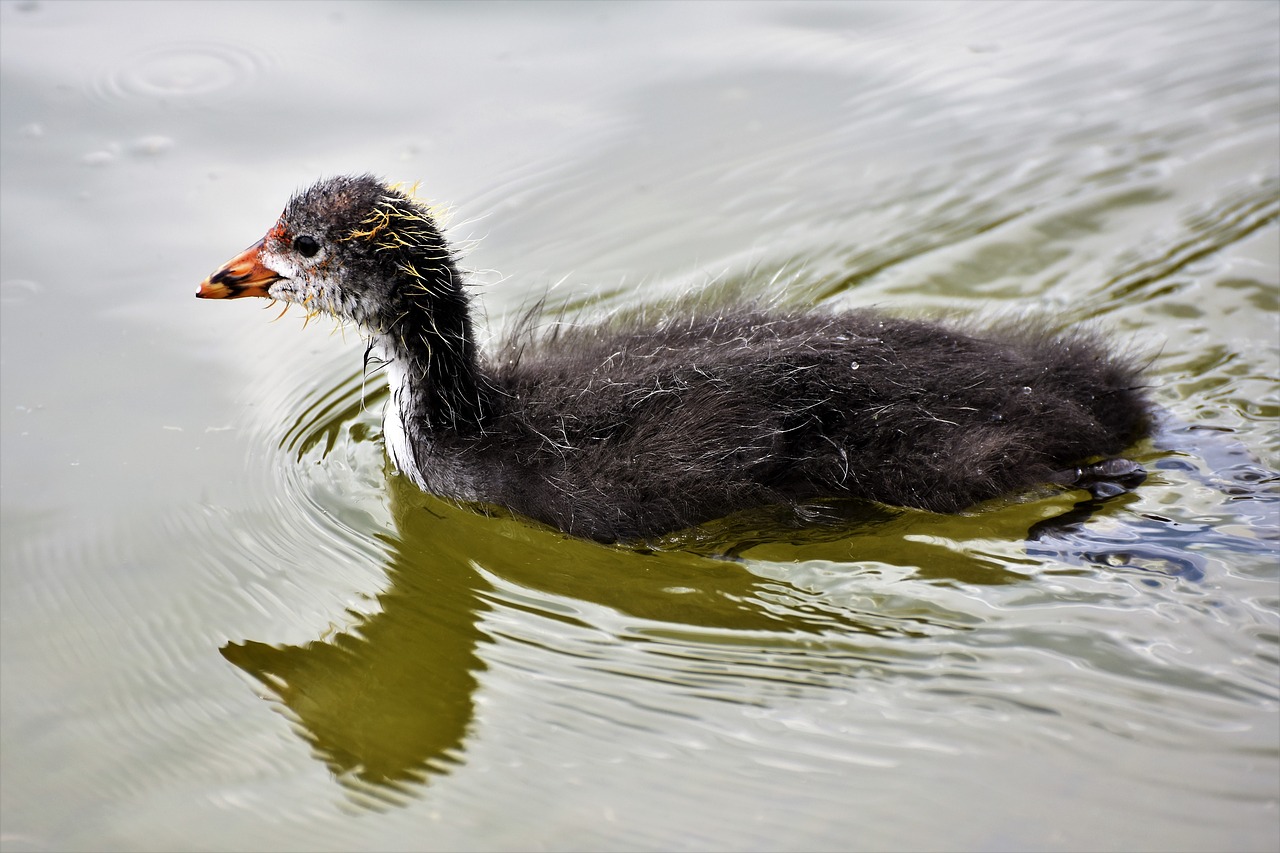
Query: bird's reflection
column 388, row 702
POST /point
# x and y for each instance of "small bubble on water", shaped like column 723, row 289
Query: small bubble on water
column 98, row 158
column 150, row 146
column 15, row 291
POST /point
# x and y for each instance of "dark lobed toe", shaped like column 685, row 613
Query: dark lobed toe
column 1105, row 479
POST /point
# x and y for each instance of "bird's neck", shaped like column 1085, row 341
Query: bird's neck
column 437, row 383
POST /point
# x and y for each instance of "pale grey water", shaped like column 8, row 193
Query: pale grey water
column 224, row 627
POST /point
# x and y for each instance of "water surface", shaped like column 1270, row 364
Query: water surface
column 227, row 626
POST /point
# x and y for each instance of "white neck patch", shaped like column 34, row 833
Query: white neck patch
column 394, row 434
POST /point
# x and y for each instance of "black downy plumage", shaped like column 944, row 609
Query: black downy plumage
column 620, row 432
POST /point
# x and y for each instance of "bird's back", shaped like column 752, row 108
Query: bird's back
column 623, row 432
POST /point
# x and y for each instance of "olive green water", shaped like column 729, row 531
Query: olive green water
column 226, row 627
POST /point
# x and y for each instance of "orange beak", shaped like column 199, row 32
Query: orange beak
column 243, row 275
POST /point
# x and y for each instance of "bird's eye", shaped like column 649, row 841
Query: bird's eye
column 306, row 245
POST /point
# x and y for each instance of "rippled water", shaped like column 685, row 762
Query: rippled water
column 226, row 627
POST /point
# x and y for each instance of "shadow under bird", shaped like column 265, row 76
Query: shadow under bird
column 623, row 431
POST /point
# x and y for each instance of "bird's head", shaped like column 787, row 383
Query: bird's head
column 352, row 247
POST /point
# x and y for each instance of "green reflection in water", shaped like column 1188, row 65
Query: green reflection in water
column 388, row 702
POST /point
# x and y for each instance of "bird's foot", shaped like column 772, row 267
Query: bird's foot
column 1104, row 479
